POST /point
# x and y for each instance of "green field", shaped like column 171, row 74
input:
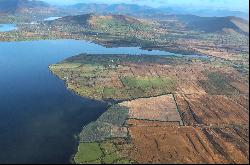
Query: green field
column 88, row 153
column 99, row 153
column 92, row 75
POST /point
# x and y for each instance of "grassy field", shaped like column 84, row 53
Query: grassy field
column 99, row 153
column 105, row 77
column 88, row 153
column 148, row 83
column 205, row 93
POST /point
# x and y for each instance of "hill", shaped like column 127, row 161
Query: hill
column 189, row 22
column 242, row 24
column 208, row 24
column 146, row 11
column 24, row 7
column 104, row 22
column 128, row 9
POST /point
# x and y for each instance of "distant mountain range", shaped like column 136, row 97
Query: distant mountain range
column 212, row 24
column 40, row 7
column 189, row 22
column 24, row 7
column 204, row 12
column 136, row 10
column 107, row 9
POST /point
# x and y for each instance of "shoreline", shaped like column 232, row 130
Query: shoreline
column 112, row 103
column 175, row 53
column 135, row 119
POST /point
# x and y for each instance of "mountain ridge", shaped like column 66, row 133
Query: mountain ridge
column 133, row 9
column 189, row 22
column 39, row 6
column 24, row 7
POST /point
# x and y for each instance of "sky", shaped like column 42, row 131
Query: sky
column 239, row 5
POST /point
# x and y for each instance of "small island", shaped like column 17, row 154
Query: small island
column 153, row 98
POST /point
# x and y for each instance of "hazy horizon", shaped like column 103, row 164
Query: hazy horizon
column 239, row 5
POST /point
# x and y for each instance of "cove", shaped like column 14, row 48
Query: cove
column 39, row 117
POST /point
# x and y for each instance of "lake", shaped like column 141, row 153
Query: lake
column 7, row 27
column 39, row 117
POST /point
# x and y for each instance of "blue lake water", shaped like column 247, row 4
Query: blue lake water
column 38, row 115
column 7, row 27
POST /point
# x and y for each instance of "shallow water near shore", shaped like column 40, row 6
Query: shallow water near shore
column 39, row 117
